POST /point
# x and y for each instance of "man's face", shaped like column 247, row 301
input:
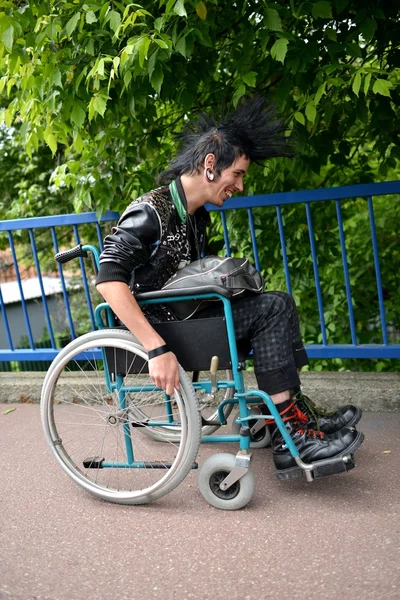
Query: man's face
column 230, row 181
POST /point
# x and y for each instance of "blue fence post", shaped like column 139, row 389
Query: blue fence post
column 316, row 274
column 283, row 247
column 346, row 273
column 377, row 271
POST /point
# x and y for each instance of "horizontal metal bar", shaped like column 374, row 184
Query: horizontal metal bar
column 42, row 354
column 278, row 199
column 350, row 351
column 313, row 351
column 57, row 220
column 334, row 193
column 216, row 439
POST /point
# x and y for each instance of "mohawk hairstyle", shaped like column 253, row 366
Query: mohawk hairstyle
column 252, row 130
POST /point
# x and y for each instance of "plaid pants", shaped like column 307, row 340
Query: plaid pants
column 269, row 324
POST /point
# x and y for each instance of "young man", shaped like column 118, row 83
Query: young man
column 153, row 239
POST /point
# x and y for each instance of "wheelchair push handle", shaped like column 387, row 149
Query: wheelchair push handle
column 80, row 251
column 67, row 255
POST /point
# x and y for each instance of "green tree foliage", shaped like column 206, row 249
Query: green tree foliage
column 101, row 87
column 105, row 83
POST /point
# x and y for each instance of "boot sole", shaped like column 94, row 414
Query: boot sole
column 296, row 472
column 355, row 419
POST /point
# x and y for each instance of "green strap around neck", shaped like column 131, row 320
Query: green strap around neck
column 177, row 201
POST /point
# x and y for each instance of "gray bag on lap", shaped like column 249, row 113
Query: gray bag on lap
column 237, row 275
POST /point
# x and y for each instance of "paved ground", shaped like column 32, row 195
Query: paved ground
column 335, row 537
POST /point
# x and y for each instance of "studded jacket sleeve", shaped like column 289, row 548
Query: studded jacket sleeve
column 131, row 243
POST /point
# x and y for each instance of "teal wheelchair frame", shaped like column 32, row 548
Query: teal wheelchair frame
column 118, row 408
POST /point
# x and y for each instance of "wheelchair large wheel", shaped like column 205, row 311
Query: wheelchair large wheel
column 88, row 413
column 208, row 411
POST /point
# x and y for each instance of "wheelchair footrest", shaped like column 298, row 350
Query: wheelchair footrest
column 204, row 423
column 93, row 462
column 325, row 468
column 336, row 466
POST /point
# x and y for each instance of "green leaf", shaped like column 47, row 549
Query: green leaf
column 57, row 78
column 90, row 17
column 158, row 24
column 240, row 91
column 179, row 8
column 89, row 48
column 77, row 115
column 367, row 29
column 381, row 86
column 50, row 140
column 161, row 43
column 115, row 20
column 100, row 104
column 87, row 199
column 78, row 143
column 322, row 9
column 279, row 49
column 273, row 20
column 170, row 4
column 72, row 23
column 300, row 117
column 127, row 78
column 100, row 68
column 152, row 63
column 143, row 50
column 250, row 78
column 357, row 83
column 116, row 62
column 311, row 111
column 367, row 83
column 320, row 92
column 201, row 10
column 331, row 33
column 8, row 38
column 181, row 46
column 157, row 77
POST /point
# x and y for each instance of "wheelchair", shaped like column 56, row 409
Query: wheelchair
column 124, row 440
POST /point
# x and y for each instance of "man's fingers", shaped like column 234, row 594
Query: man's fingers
column 164, row 371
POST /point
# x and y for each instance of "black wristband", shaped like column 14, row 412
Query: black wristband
column 158, row 351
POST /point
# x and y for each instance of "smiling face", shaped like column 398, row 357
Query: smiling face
column 229, row 182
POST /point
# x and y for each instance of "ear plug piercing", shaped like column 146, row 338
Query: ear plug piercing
column 209, row 175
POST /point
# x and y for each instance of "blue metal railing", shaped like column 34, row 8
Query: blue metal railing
column 279, row 201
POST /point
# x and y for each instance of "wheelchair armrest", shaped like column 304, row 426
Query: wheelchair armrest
column 192, row 293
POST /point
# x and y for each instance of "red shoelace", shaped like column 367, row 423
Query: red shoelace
column 299, row 418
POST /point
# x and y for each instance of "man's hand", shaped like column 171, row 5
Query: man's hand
column 164, row 371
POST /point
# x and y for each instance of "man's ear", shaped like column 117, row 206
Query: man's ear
column 209, row 161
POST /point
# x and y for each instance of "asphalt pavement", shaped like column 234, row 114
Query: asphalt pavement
column 336, row 537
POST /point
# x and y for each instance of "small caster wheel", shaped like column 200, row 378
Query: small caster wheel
column 261, row 439
column 213, row 472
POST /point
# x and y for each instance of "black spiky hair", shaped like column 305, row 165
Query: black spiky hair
column 252, row 130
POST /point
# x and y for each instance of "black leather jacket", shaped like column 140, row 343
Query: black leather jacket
column 151, row 241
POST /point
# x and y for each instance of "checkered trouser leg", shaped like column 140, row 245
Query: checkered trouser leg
column 269, row 324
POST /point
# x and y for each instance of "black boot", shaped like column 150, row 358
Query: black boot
column 326, row 421
column 312, row 445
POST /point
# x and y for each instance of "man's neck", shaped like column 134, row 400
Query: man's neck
column 196, row 195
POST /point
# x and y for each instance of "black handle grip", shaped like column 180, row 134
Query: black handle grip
column 64, row 257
